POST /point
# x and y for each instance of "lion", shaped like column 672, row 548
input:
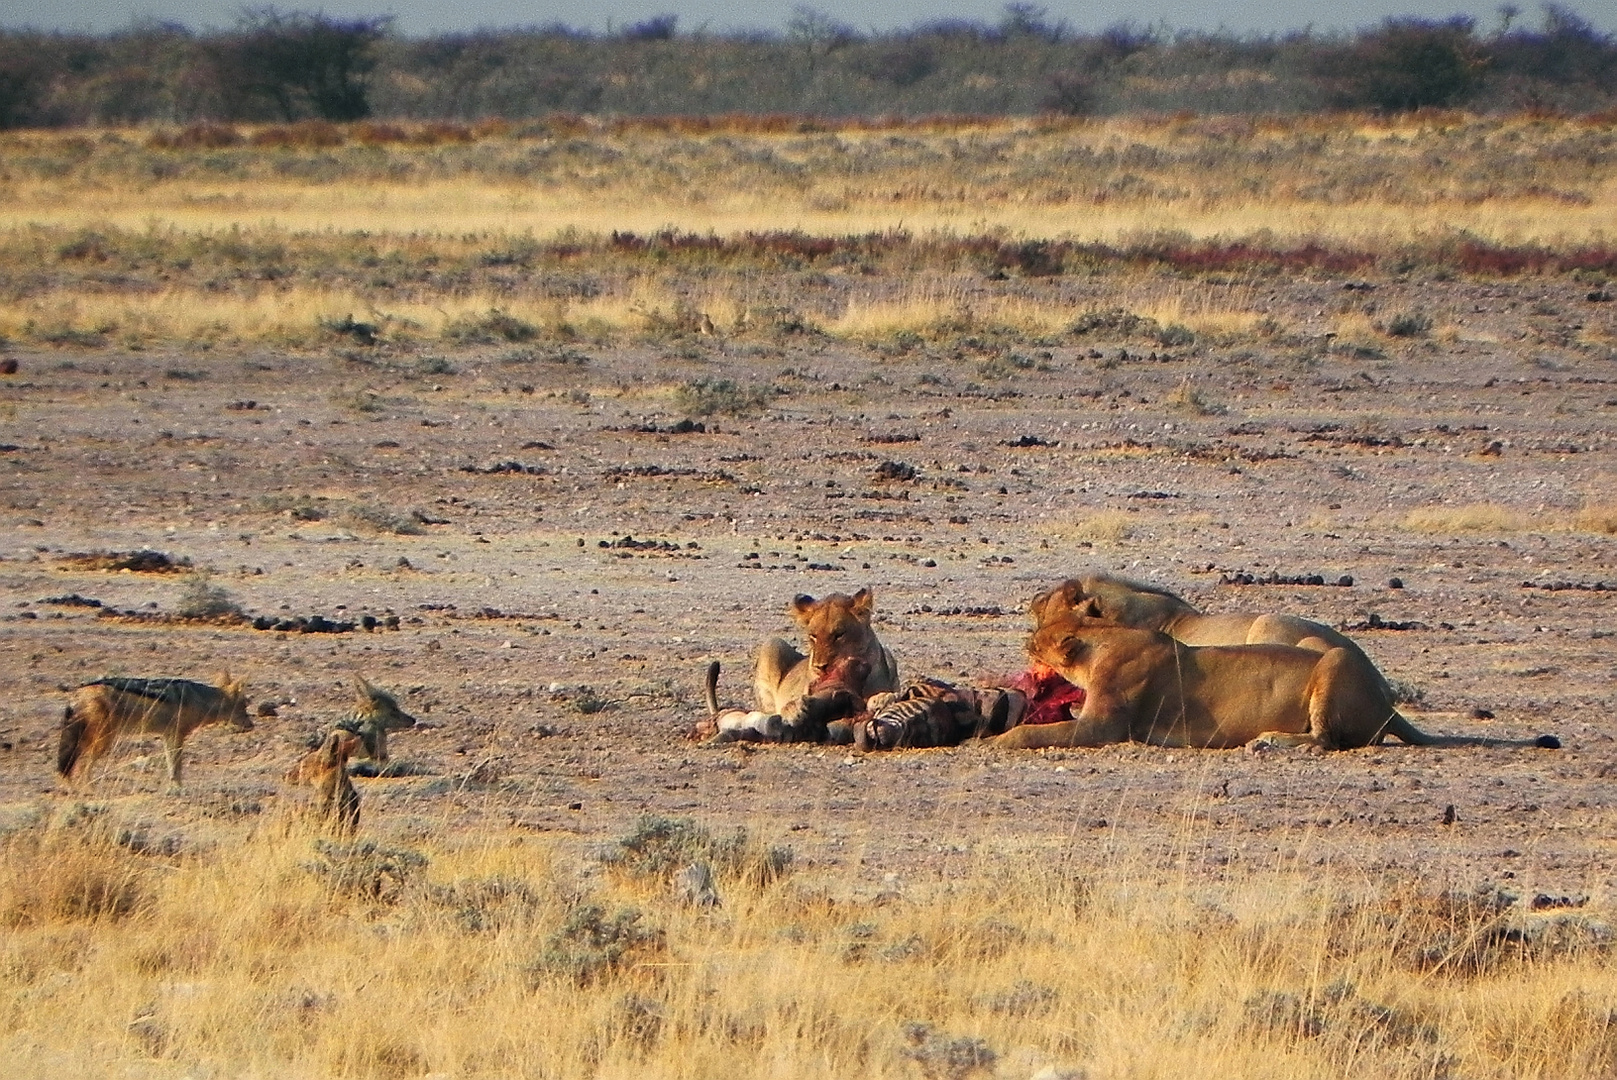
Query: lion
column 1145, row 686
column 836, row 627
column 1147, row 607
column 99, row 712
column 832, row 698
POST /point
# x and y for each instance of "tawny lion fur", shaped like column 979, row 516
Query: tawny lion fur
column 833, row 628
column 326, row 770
column 98, row 713
column 1144, row 686
column 1147, row 607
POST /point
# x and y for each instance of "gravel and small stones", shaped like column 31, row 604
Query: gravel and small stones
column 627, row 547
column 621, row 473
column 144, row 561
column 1274, row 577
column 895, row 470
column 1576, row 586
column 1376, row 622
column 681, row 427
column 72, row 600
column 306, row 624
column 506, row 467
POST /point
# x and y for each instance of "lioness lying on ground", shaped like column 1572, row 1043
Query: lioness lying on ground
column 1144, row 686
column 1146, row 607
column 832, row 697
column 835, row 627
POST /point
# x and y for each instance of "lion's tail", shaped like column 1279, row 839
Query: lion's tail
column 71, row 742
column 710, row 685
column 1402, row 730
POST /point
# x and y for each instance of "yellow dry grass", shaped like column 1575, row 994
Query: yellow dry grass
column 298, row 314
column 940, row 307
column 1472, row 517
column 491, row 958
column 1106, row 528
column 1600, row 518
column 1594, row 517
column 645, row 181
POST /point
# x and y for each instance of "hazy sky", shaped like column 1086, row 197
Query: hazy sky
column 418, row 17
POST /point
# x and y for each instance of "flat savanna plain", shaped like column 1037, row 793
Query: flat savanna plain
column 569, row 525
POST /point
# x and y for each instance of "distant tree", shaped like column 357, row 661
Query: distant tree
column 1069, row 94
column 1407, row 64
column 656, row 28
column 25, row 74
column 818, row 33
column 293, row 65
column 1567, row 50
column 1021, row 19
column 902, row 62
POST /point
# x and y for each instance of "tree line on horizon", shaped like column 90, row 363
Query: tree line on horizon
column 276, row 66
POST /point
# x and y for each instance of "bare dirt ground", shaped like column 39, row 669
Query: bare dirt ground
column 556, row 664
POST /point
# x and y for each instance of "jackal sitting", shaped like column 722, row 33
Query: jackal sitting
column 326, row 769
column 375, row 714
column 99, row 712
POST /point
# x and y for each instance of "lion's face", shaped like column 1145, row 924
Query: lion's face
column 1061, row 646
column 1065, row 599
column 835, row 627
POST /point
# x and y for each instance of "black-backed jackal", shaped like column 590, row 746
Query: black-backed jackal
column 99, row 712
column 326, row 770
column 375, row 714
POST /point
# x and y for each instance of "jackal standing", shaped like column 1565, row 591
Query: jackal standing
column 99, row 712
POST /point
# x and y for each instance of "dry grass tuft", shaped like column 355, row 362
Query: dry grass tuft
column 1472, row 517
column 1104, row 527
column 265, row 954
column 1598, row 518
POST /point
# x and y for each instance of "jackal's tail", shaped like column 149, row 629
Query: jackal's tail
column 71, row 743
column 711, row 686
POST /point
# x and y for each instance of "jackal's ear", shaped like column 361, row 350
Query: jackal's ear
column 331, row 754
column 362, row 688
column 232, row 687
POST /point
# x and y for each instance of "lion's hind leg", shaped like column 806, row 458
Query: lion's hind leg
column 776, row 659
column 1348, row 706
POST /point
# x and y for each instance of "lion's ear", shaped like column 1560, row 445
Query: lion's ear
column 864, row 604
column 1073, row 649
column 800, row 607
column 1092, row 608
column 1053, row 602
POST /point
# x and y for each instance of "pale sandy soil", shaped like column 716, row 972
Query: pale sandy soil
column 509, row 603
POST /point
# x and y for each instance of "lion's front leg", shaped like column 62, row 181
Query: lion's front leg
column 1096, row 725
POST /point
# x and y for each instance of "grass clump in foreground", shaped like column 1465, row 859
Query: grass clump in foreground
column 263, row 953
